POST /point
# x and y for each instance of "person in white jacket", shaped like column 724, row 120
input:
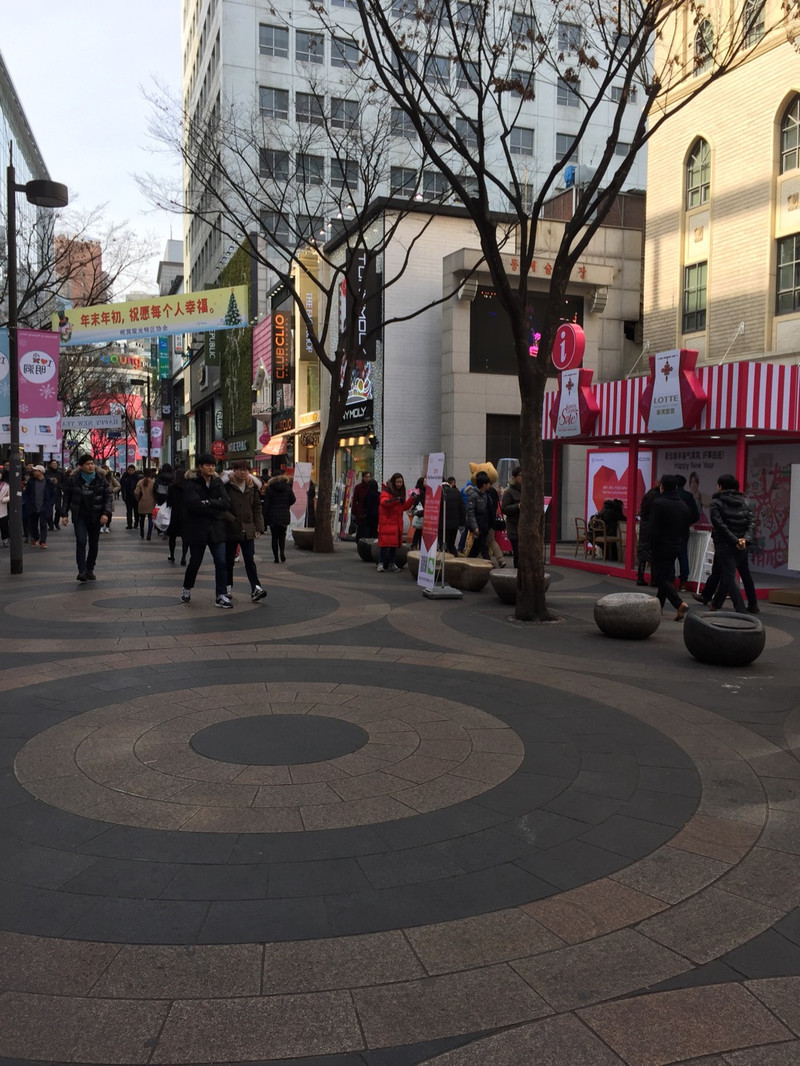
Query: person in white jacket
column 5, row 493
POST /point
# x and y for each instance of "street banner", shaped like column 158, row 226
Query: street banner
column 155, row 316
column 430, row 521
column 38, row 373
column 141, row 435
column 112, row 422
column 156, row 437
column 300, row 486
column 5, row 390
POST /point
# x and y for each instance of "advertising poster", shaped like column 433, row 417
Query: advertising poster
column 430, row 521
column 347, row 502
column 701, row 467
column 300, row 486
column 607, row 479
column 769, row 489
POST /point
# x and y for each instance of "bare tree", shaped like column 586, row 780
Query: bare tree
column 602, row 57
column 308, row 202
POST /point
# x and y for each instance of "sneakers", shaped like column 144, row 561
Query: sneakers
column 379, row 568
column 42, row 544
column 186, row 595
column 83, row 576
column 34, row 543
column 394, row 568
column 753, row 608
column 90, row 575
column 258, row 594
column 224, row 602
column 230, row 590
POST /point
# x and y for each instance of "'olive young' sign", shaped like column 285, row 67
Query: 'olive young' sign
column 154, row 316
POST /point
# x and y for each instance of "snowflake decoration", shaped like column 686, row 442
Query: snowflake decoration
column 5, row 388
column 23, row 408
column 47, row 392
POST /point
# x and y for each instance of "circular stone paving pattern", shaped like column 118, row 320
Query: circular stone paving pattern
column 279, row 739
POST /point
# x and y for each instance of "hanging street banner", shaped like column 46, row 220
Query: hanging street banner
column 426, row 576
column 39, row 409
column 154, row 316
column 111, row 423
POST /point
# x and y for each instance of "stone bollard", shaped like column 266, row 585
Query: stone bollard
column 724, row 638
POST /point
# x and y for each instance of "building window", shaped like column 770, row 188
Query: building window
column 343, row 3
column 566, row 149
column 753, row 21
column 434, row 185
column 344, row 113
column 567, row 93
column 437, row 124
column 308, row 108
column 471, row 185
column 569, row 37
column 404, row 65
column 698, row 174
column 310, row 229
column 523, row 28
column 622, row 148
column 466, row 132
column 273, row 103
column 276, row 227
column 309, row 47
column 694, row 297
column 273, row 41
column 310, row 169
column 790, row 137
column 404, row 181
column 274, row 165
column 520, row 141
column 437, row 72
column 402, row 126
column 703, row 47
column 344, row 174
column 522, row 84
column 788, row 275
column 466, row 74
column 622, row 93
column 344, row 53
column 403, row 9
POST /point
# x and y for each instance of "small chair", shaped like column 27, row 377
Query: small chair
column 581, row 537
column 598, row 534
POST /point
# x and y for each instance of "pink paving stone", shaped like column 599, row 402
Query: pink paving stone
column 717, row 838
column 593, row 910
column 782, row 996
column 667, row 1027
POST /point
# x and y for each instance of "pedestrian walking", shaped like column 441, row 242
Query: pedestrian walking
column 128, row 482
column 87, row 500
column 453, row 514
column 510, row 508
column 40, row 497
column 5, row 496
column 277, row 513
column 393, row 504
column 694, row 515
column 368, row 529
column 733, row 524
column 205, row 503
column 478, row 518
column 175, row 527
column 418, row 512
column 357, row 509
column 670, row 519
column 58, row 477
column 145, row 503
column 245, row 524
column 115, row 487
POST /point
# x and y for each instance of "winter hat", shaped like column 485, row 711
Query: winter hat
column 40, row 468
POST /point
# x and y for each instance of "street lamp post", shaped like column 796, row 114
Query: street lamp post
column 41, row 193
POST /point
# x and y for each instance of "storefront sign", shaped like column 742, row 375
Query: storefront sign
column 575, row 410
column 362, row 305
column 281, row 348
column 569, row 346
column 673, row 397
column 219, row 449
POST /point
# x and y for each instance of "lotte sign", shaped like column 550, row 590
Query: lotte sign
column 568, row 347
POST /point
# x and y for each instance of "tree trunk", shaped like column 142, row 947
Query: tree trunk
column 340, row 387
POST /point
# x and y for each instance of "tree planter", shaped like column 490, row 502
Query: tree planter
column 504, row 583
column 303, row 537
column 468, row 575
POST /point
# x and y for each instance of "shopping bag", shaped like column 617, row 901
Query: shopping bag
column 161, row 517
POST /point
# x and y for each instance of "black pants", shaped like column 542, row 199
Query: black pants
column 86, row 534
column 743, row 566
column 662, row 570
column 278, row 543
column 131, row 516
column 248, row 550
column 479, row 545
column 196, row 553
column 727, row 557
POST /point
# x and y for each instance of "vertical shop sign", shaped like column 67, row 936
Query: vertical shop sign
column 429, row 544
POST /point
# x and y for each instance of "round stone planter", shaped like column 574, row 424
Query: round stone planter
column 724, row 638
column 303, row 537
column 364, row 548
column 468, row 575
column 504, row 583
column 628, row 615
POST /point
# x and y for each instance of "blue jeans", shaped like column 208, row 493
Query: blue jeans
column 86, row 532
column 196, row 553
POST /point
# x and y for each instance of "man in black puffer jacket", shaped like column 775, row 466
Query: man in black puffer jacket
column 87, row 498
column 669, row 526
column 732, row 529
column 205, row 501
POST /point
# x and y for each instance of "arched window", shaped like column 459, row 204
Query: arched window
column 790, row 136
column 753, row 22
column 698, row 174
column 703, row 46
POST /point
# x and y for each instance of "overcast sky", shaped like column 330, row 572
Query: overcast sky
column 79, row 70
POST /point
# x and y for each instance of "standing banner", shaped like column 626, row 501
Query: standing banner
column 347, row 503
column 300, row 486
column 430, row 521
column 607, row 479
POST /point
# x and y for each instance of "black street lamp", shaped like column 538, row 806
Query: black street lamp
column 43, row 194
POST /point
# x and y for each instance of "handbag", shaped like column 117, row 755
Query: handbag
column 163, row 517
column 417, row 521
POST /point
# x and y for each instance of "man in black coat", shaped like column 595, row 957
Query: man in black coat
column 669, row 527
column 732, row 529
column 205, row 501
column 87, row 497
column 128, row 483
column 694, row 513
